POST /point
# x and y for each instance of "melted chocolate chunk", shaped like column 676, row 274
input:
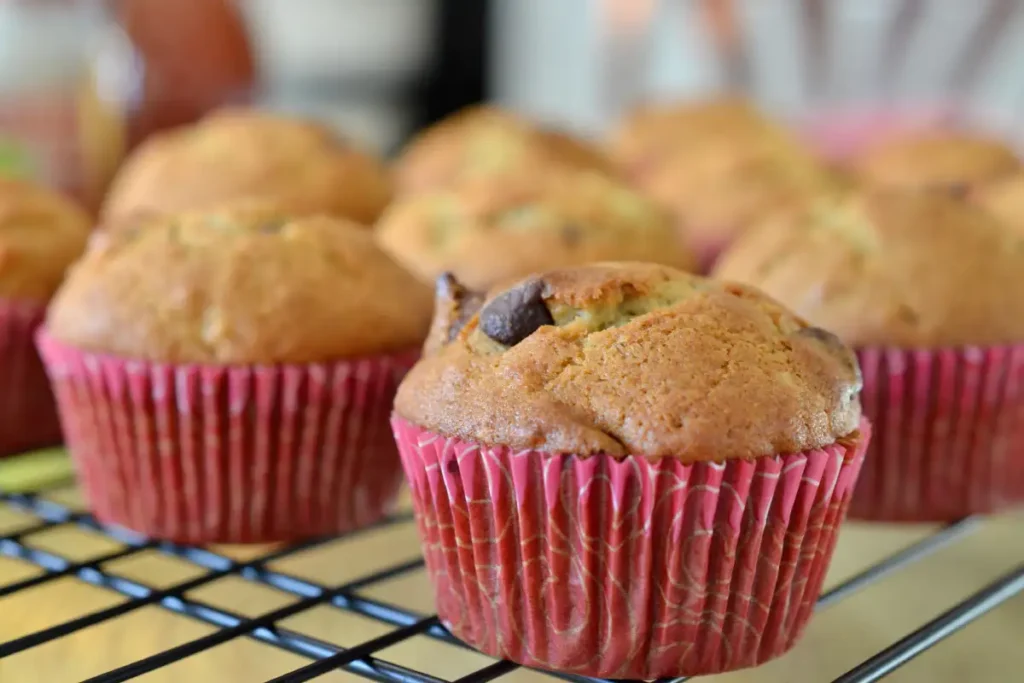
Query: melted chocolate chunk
column 835, row 345
column 515, row 314
column 462, row 303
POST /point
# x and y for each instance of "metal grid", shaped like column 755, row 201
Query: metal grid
column 362, row 659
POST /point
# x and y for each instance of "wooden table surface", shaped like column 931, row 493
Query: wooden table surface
column 989, row 651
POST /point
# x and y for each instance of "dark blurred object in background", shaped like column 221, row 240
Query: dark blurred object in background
column 195, row 56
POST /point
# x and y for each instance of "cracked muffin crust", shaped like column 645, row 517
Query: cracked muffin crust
column 484, row 141
column 893, row 268
column 632, row 359
column 937, row 159
column 241, row 286
column 239, row 158
column 41, row 234
column 718, row 165
column 492, row 230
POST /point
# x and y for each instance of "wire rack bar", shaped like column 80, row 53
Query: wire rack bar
column 938, row 629
column 360, row 658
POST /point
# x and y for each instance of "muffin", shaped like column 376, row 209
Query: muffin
column 41, row 234
column 238, row 158
column 717, row 166
column 496, row 229
column 484, row 141
column 622, row 470
column 934, row 159
column 928, row 289
column 1004, row 198
column 227, row 376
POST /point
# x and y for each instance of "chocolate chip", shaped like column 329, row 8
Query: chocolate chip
column 515, row 314
column 571, row 235
column 461, row 302
column 835, row 345
column 822, row 335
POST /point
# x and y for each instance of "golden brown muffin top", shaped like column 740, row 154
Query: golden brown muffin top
column 631, row 358
column 717, row 164
column 495, row 229
column 239, row 158
column 41, row 234
column 1004, row 197
column 899, row 268
column 944, row 159
column 485, row 141
column 239, row 286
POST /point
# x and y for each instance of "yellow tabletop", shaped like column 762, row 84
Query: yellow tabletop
column 989, row 651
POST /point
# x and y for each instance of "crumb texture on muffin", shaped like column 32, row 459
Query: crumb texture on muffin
column 239, row 286
column 241, row 158
column 893, row 268
column 492, row 230
column 485, row 141
column 943, row 159
column 41, row 234
column 631, row 358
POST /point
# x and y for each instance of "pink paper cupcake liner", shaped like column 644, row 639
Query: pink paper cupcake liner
column 236, row 454
column 28, row 416
column 949, row 433
column 630, row 568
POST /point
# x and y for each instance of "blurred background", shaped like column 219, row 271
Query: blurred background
column 82, row 80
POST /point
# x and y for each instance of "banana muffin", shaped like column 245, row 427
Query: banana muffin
column 927, row 288
column 227, row 376
column 934, row 159
column 238, row 158
column 717, row 166
column 1004, row 198
column 483, row 141
column 495, row 229
column 41, row 234
column 585, row 444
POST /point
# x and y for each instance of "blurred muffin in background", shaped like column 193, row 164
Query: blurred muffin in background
column 485, row 141
column 240, row 158
column 257, row 353
column 492, row 229
column 928, row 290
column 1004, row 198
column 930, row 159
column 718, row 166
column 41, row 234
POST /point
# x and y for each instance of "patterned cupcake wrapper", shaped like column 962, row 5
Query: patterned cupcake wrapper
column 949, row 433
column 839, row 134
column 28, row 416
column 628, row 568
column 235, row 454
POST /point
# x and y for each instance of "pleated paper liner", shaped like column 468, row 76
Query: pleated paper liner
column 626, row 569
column 234, row 454
column 949, row 433
column 28, row 416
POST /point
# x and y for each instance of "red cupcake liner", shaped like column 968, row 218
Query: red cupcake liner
column 28, row 415
column 630, row 568
column 233, row 454
column 949, row 433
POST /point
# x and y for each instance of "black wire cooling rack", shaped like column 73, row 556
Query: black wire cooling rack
column 364, row 658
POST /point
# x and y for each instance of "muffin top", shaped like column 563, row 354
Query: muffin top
column 486, row 141
column 495, row 229
column 632, row 358
column 41, row 234
column 908, row 268
column 945, row 159
column 1004, row 197
column 239, row 286
column 238, row 158
column 718, row 164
